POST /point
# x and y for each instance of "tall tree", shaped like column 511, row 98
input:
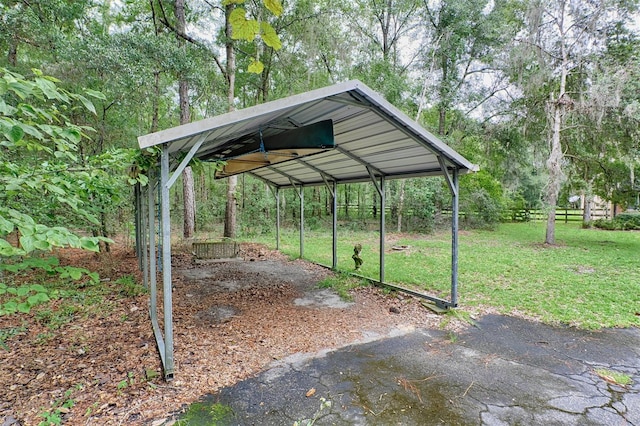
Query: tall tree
column 461, row 40
column 230, row 215
column 185, row 117
column 560, row 44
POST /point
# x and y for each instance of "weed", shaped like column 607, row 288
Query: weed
column 206, row 413
column 7, row 333
column 342, row 284
column 55, row 319
column 129, row 287
column 453, row 337
column 59, row 408
column 22, row 298
column 614, row 377
column 129, row 381
column 324, row 403
column 44, row 338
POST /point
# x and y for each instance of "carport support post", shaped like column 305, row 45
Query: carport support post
column 382, row 226
column 453, row 182
column 334, row 246
column 166, row 264
column 137, row 224
column 301, row 195
column 153, row 273
column 454, row 239
column 381, row 191
column 277, row 218
column 144, row 234
column 300, row 191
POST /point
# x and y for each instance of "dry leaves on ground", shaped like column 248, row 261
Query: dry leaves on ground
column 231, row 320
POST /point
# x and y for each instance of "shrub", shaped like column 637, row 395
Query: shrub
column 626, row 221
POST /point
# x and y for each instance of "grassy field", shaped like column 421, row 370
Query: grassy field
column 590, row 279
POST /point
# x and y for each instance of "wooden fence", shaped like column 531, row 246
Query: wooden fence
column 562, row 215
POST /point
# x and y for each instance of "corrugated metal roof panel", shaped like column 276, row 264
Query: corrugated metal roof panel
column 368, row 131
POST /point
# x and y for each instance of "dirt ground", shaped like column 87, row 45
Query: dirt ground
column 231, row 320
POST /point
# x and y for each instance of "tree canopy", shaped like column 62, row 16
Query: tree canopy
column 486, row 76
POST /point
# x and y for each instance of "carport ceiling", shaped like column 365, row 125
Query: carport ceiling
column 371, row 137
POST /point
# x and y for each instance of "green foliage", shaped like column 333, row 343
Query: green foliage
column 44, row 180
column 7, row 333
column 250, row 29
column 206, row 413
column 481, row 199
column 342, row 284
column 53, row 416
column 22, row 298
column 54, row 319
column 622, row 222
column 615, row 377
column 324, row 404
column 129, row 287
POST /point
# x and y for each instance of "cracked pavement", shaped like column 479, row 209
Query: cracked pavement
column 504, row 371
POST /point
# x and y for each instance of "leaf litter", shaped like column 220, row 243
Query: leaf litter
column 231, row 320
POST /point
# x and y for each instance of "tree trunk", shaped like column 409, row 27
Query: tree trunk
column 185, row 117
column 586, row 213
column 557, row 109
column 230, row 211
column 12, row 56
column 232, row 181
column 155, row 102
column 400, row 204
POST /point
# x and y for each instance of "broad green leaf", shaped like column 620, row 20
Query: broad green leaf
column 24, row 307
column 226, row 2
column 42, row 245
column 10, row 307
column 6, row 109
column 72, row 134
column 38, row 298
column 95, row 94
column 87, row 104
column 21, row 89
column 270, row 37
column 15, row 134
column 8, row 250
column 243, row 28
column 22, row 291
column 255, row 67
column 12, row 290
column 26, row 241
column 50, row 90
column 275, row 6
column 89, row 244
column 31, row 130
column 5, row 226
column 75, row 273
column 39, row 288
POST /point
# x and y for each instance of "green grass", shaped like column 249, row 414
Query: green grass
column 590, row 279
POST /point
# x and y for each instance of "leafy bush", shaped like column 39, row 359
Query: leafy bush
column 623, row 222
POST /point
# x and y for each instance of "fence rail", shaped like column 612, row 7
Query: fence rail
column 564, row 215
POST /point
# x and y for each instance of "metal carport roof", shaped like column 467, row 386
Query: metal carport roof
column 373, row 141
column 370, row 135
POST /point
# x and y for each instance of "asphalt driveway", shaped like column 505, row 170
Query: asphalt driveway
column 504, row 371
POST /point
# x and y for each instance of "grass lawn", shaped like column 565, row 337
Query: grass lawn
column 590, row 279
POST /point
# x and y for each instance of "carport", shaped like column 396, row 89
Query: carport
column 344, row 133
